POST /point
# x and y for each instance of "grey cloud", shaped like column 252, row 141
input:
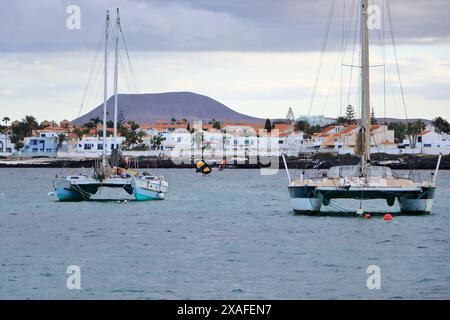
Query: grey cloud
column 433, row 91
column 202, row 25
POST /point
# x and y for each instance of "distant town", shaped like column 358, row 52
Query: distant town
column 292, row 136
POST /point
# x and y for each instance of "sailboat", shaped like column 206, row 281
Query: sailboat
column 363, row 181
column 108, row 170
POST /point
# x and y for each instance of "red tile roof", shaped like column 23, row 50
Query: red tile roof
column 349, row 129
column 375, row 127
column 53, row 129
column 327, row 129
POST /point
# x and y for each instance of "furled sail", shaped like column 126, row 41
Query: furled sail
column 359, row 150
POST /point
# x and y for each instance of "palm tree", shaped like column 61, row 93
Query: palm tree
column 96, row 121
column 89, row 125
column 78, row 132
column 156, row 141
column 133, row 125
column 140, row 137
column 61, row 137
column 29, row 124
column 6, row 120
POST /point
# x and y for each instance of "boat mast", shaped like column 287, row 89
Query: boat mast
column 105, row 97
column 365, row 90
column 116, row 72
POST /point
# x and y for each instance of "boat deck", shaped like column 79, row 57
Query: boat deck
column 115, row 182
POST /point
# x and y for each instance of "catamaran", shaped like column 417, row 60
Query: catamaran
column 108, row 171
column 363, row 181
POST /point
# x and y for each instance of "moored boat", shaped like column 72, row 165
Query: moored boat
column 363, row 181
column 111, row 170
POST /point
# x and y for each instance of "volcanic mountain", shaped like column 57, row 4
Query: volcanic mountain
column 151, row 107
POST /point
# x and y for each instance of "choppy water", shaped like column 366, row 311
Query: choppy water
column 229, row 235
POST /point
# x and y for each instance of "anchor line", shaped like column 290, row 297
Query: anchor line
column 314, row 193
column 83, row 193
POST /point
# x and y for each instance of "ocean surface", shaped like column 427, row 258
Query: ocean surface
column 231, row 235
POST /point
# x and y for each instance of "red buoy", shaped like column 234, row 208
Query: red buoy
column 387, row 217
column 367, row 216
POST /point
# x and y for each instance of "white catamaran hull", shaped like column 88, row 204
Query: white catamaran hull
column 308, row 199
column 416, row 205
column 306, row 205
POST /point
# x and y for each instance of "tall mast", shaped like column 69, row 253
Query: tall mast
column 365, row 88
column 105, row 97
column 116, row 72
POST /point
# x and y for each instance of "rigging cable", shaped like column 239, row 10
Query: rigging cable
column 396, row 59
column 133, row 76
column 323, row 48
column 94, row 62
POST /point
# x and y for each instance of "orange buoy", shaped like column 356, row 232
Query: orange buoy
column 387, row 217
column 367, row 216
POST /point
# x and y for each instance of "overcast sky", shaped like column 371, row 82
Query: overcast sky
column 259, row 57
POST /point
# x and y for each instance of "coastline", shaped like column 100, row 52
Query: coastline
column 316, row 161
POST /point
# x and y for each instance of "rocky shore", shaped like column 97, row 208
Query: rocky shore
column 317, row 161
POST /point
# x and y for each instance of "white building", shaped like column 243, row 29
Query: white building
column 95, row 144
column 40, row 145
column 340, row 139
column 176, row 138
column 6, row 147
column 430, row 142
column 46, row 133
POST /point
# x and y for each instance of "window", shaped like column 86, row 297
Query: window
column 427, row 145
column 48, row 150
column 87, row 146
column 419, row 139
column 33, row 142
column 100, row 146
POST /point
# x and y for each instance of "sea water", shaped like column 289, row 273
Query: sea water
column 230, row 235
